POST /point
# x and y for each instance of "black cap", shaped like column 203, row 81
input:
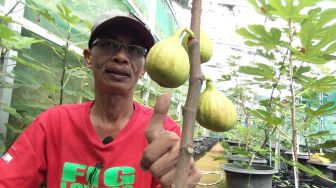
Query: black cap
column 110, row 20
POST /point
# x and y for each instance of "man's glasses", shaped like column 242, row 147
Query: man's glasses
column 114, row 46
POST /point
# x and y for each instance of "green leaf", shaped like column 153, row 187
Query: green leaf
column 324, row 84
column 267, row 55
column 325, row 109
column 301, row 70
column 84, row 93
column 40, row 10
column 258, row 36
column 14, row 129
column 245, row 33
column 66, row 13
column 331, row 156
column 87, row 23
column 328, row 144
column 319, row 135
column 312, row 171
column 309, row 112
column 241, row 151
column 5, row 20
column 262, row 72
column 266, row 116
column 50, row 87
column 263, row 8
column 19, row 42
column 6, row 33
column 288, row 11
column 11, row 111
column 225, row 77
column 30, row 64
column 317, row 37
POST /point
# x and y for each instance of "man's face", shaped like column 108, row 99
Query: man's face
column 115, row 69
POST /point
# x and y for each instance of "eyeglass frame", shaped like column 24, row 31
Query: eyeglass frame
column 142, row 51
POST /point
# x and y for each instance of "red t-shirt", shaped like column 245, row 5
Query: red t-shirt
column 61, row 148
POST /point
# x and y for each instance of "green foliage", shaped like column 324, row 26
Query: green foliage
column 315, row 32
column 325, row 109
column 331, row 156
column 66, row 14
column 64, row 77
column 258, row 36
column 311, row 171
column 317, row 37
column 266, row 116
column 288, row 10
column 291, row 53
column 318, row 135
column 324, row 84
column 263, row 72
column 328, row 144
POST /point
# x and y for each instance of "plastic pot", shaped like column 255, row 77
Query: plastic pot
column 325, row 169
column 333, row 171
column 256, row 160
column 234, row 143
column 259, row 176
column 302, row 158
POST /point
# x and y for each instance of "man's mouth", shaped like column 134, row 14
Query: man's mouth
column 117, row 72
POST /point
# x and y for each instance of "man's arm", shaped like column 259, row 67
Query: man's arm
column 23, row 165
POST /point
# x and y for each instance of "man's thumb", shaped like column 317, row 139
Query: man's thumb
column 161, row 108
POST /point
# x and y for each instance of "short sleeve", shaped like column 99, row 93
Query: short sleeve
column 24, row 164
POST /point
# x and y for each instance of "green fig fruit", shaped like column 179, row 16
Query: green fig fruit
column 167, row 62
column 206, row 46
column 215, row 111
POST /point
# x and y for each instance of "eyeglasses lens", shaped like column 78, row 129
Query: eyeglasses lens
column 115, row 46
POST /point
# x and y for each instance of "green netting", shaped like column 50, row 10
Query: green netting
column 330, row 121
column 41, row 87
column 143, row 6
column 85, row 10
column 165, row 25
column 2, row 2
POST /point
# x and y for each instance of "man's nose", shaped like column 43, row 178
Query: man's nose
column 122, row 54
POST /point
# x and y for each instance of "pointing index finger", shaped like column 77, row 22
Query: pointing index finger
column 159, row 115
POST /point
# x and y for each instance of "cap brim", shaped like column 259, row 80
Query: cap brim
column 141, row 30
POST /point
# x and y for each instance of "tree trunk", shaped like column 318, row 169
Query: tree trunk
column 189, row 110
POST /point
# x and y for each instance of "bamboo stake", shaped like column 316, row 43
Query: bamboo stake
column 189, row 110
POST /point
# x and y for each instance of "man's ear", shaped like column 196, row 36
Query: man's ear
column 87, row 58
column 143, row 71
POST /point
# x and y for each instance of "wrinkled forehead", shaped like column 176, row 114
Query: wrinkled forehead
column 123, row 35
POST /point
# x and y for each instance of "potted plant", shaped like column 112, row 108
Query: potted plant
column 291, row 50
column 244, row 168
column 256, row 176
column 247, row 166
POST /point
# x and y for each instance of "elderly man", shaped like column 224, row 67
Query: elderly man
column 110, row 142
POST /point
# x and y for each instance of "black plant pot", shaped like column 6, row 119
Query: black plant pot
column 234, row 143
column 259, row 176
column 302, row 158
column 325, row 169
column 333, row 170
column 256, row 160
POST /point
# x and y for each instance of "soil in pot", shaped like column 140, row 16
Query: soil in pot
column 239, row 158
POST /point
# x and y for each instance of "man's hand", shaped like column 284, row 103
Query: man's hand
column 160, row 156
